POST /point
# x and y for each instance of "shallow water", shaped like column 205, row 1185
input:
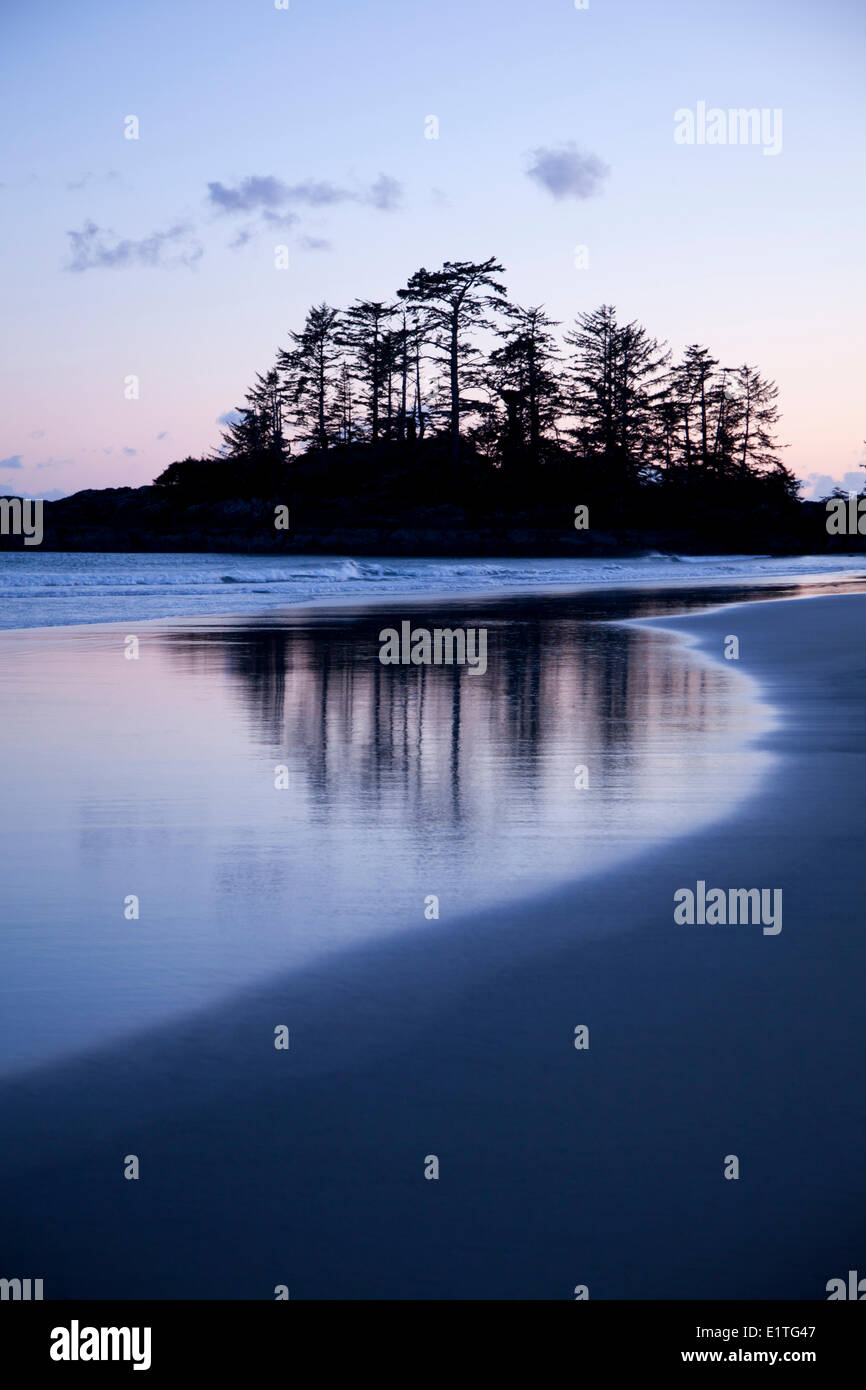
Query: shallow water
column 452, row 1036
column 43, row 589
column 156, row 778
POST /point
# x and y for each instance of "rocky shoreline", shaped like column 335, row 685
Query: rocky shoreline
column 151, row 519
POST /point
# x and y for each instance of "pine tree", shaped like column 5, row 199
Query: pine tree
column 362, row 332
column 757, row 449
column 523, row 373
column 309, row 371
column 692, row 384
column 617, row 377
column 256, row 435
column 456, row 300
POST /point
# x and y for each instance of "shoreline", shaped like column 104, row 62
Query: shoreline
column 359, row 604
column 704, row 1042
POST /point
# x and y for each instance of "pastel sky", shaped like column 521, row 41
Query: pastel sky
column 305, row 127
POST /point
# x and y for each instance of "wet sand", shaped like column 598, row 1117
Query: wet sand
column 558, row 1167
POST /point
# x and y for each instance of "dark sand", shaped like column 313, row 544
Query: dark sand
column 558, row 1167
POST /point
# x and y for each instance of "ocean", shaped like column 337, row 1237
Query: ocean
column 49, row 589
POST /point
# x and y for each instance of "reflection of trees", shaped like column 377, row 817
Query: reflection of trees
column 560, row 687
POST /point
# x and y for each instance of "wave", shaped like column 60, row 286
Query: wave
column 51, row 588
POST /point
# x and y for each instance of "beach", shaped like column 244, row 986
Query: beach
column 599, row 1168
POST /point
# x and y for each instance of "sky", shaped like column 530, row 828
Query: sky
column 368, row 140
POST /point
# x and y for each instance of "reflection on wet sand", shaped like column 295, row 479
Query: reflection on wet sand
column 158, row 777
column 429, row 746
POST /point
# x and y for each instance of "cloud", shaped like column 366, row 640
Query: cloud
column 275, row 200
column 318, row 193
column 566, row 172
column 163, row 434
column 231, row 417
column 386, row 194
column 15, row 461
column 314, row 243
column 111, row 177
column 131, row 452
column 283, row 220
column 269, row 195
column 250, row 195
column 817, row 486
column 96, row 248
column 37, row 434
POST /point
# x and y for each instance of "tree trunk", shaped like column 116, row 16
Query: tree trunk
column 455, row 389
column 374, row 404
column 404, row 368
column 418, row 406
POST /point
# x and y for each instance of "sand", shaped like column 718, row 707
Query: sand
column 558, row 1167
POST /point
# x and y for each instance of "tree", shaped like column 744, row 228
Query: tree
column 309, row 371
column 415, row 328
column 453, row 351
column 346, row 406
column 523, row 374
column 456, row 299
column 362, row 332
column 691, row 385
column 617, row 378
column 256, row 434
column 757, row 449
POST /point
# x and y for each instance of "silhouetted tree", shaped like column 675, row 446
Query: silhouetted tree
column 309, row 371
column 523, row 373
column 691, row 382
column 256, row 434
column 606, row 407
column 362, row 331
column 617, row 376
column 757, row 449
column 457, row 299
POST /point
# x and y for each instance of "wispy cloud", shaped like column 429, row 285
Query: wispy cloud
column 264, row 193
column 89, row 178
column 250, row 194
column 386, row 193
column 163, row 434
column 314, row 243
column 131, row 452
column 13, row 461
column 245, row 234
column 566, row 171
column 274, row 203
column 97, row 248
column 37, row 434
